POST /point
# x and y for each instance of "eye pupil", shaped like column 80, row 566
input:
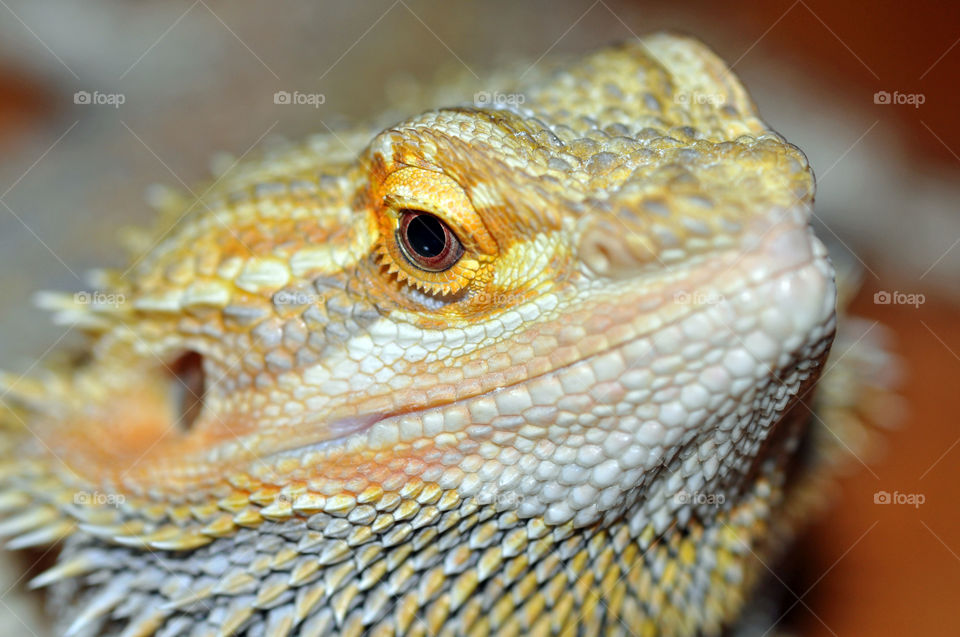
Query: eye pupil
column 427, row 242
column 426, row 236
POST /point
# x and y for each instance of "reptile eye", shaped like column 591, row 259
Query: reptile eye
column 427, row 242
column 430, row 236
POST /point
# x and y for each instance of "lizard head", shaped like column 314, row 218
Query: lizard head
column 569, row 308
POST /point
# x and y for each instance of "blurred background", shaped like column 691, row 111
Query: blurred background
column 101, row 99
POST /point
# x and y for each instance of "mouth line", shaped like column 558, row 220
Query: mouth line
column 353, row 428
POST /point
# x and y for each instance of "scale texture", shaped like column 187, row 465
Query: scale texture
column 594, row 418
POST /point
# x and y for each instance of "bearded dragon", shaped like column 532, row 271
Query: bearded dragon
column 519, row 366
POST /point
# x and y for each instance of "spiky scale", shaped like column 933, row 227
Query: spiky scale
column 65, row 569
column 182, row 542
column 47, row 534
column 27, row 521
column 236, row 582
column 238, row 612
column 144, row 624
column 96, row 609
column 271, row 589
column 280, row 622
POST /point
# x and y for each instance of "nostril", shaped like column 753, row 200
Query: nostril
column 188, row 388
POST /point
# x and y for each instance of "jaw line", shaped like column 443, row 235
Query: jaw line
column 355, row 428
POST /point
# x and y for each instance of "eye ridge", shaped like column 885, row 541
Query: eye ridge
column 427, row 242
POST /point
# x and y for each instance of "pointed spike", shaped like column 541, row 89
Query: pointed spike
column 89, row 322
column 205, row 512
column 220, row 527
column 185, row 542
column 320, row 623
column 145, row 624
column 178, row 625
column 153, row 511
column 463, row 587
column 162, row 303
column 280, row 621
column 13, row 500
column 191, row 597
column 264, row 496
column 82, row 304
column 66, row 311
column 282, row 558
column 373, row 606
column 306, row 599
column 309, row 503
column 102, row 604
column 335, row 578
column 368, row 555
column 113, row 531
column 78, row 565
column 249, row 517
column 371, row 576
column 98, row 517
column 234, row 503
column 45, row 535
column 180, row 514
column 238, row 612
column 55, row 301
column 341, row 603
column 278, row 511
column 271, row 589
column 146, row 540
column 334, row 551
column 304, row 570
column 235, row 583
column 27, row 521
column 309, row 541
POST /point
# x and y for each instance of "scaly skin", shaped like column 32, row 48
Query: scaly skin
column 583, row 427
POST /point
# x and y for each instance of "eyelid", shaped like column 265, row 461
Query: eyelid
column 440, row 195
column 435, row 193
